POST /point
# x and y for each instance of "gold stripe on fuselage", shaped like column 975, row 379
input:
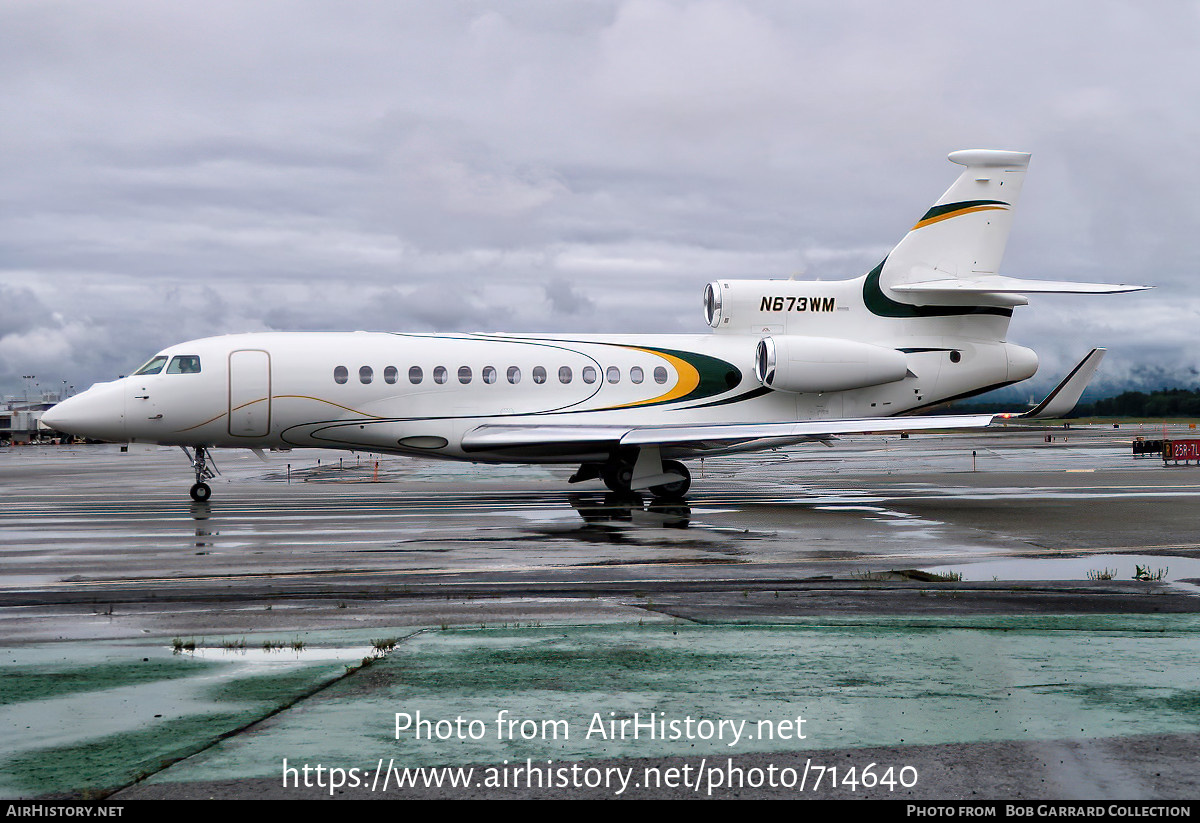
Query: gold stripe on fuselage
column 688, row 380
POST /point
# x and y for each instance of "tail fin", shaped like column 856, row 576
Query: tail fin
column 953, row 252
column 964, row 234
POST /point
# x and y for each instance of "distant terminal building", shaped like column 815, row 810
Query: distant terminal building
column 21, row 418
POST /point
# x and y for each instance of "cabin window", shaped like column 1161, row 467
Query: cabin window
column 564, row 374
column 184, row 364
column 589, row 374
column 341, row 374
column 635, row 374
column 539, row 374
column 440, row 374
column 153, row 367
column 390, row 374
column 660, row 374
column 415, row 375
column 366, row 374
column 489, row 374
column 464, row 374
column 514, row 375
column 613, row 374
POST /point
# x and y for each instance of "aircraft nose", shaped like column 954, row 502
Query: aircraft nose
column 98, row 413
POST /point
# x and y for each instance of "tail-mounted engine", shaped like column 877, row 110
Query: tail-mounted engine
column 766, row 306
column 821, row 364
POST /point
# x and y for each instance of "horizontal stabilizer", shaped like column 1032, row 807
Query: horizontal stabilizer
column 998, row 284
column 1066, row 394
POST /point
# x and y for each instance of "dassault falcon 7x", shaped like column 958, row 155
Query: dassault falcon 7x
column 787, row 362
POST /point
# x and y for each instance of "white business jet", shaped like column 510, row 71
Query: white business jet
column 787, row 362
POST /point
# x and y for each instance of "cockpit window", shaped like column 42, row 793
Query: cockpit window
column 154, row 366
column 184, row 364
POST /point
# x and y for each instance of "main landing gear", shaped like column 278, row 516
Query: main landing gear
column 201, row 491
column 665, row 479
column 677, row 489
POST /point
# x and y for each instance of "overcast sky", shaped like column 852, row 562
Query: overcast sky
column 177, row 170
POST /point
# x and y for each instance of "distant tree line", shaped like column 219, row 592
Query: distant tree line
column 1161, row 403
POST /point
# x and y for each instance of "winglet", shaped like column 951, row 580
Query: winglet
column 1066, row 394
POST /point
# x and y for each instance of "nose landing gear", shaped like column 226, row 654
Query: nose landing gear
column 201, row 491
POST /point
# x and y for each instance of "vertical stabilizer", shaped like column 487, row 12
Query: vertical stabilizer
column 964, row 234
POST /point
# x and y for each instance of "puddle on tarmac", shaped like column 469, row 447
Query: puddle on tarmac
column 274, row 654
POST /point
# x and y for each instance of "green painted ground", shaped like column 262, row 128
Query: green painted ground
column 854, row 681
column 82, row 718
column 89, row 767
column 37, row 682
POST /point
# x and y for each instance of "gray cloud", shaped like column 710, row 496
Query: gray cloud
column 21, row 311
column 175, row 171
column 565, row 300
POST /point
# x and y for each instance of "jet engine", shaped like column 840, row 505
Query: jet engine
column 792, row 363
column 772, row 306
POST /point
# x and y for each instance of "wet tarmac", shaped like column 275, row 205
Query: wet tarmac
column 169, row 648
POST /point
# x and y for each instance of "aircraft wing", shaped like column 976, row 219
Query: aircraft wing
column 548, row 439
column 699, row 437
column 732, row 433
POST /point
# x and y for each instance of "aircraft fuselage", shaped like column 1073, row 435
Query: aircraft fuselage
column 420, row 393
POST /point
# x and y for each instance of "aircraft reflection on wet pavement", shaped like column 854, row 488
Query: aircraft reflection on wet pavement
column 631, row 508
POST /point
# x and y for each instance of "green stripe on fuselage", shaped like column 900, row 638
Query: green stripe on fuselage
column 880, row 305
column 716, row 376
column 947, row 208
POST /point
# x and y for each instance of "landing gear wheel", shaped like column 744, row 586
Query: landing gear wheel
column 618, row 477
column 676, row 490
column 200, row 491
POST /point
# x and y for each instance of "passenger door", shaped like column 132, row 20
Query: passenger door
column 249, row 393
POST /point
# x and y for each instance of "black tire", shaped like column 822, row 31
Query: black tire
column 201, row 492
column 617, row 477
column 676, row 490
